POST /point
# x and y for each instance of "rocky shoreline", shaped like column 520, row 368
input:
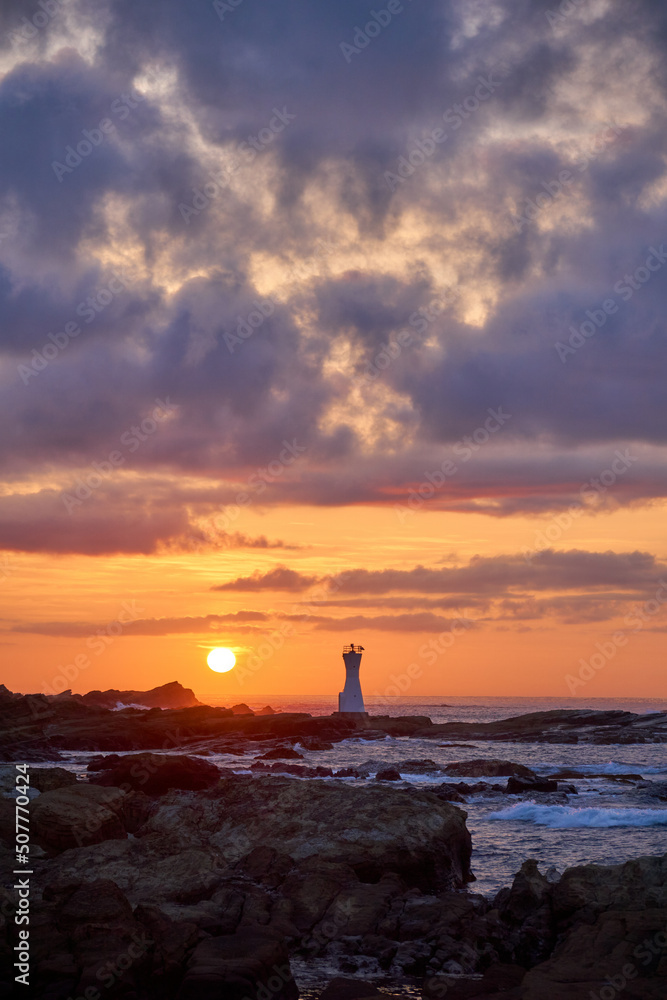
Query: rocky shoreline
column 162, row 875
column 209, row 884
column 36, row 727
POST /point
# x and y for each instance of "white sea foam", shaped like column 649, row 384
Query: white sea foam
column 567, row 817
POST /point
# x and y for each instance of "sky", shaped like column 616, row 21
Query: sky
column 324, row 322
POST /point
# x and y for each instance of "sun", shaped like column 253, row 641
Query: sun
column 221, row 659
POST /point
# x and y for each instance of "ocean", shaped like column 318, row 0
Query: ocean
column 617, row 814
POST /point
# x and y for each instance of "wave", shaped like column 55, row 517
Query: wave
column 567, row 817
column 612, row 767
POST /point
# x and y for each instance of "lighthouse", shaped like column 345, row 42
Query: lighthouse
column 350, row 698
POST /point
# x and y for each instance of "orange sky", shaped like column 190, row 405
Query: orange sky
column 307, row 288
column 500, row 655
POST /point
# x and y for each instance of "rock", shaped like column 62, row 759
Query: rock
column 172, row 943
column 239, row 965
column 558, row 726
column 499, row 979
column 349, row 989
column 412, row 958
column 530, row 890
column 242, row 709
column 281, row 753
column 423, row 766
column 150, row 869
column 488, row 768
column 267, row 710
column 376, row 828
column 348, row 772
column 516, row 786
column 77, row 815
column 448, row 793
column 311, row 889
column 388, row 774
column 46, row 779
column 586, row 891
column 265, row 865
column 156, row 774
column 621, row 954
column 313, row 743
column 358, row 908
column 479, row 786
column 171, row 695
column 105, row 941
column 103, row 762
column 296, row 769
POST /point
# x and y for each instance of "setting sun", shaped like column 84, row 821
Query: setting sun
column 221, row 659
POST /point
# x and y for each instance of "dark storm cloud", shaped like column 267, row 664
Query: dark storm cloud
column 119, row 521
column 193, row 282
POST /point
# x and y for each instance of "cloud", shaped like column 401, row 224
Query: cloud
column 146, row 626
column 186, row 94
column 488, row 575
column 280, row 578
column 424, row 622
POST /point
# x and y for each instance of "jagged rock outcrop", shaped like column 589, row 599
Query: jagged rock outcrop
column 171, row 695
column 375, row 829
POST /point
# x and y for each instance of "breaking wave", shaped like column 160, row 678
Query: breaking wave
column 567, row 817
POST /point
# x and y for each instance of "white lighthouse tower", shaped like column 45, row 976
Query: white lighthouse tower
column 350, row 698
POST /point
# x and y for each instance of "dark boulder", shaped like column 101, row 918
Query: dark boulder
column 349, row 989
column 281, row 753
column 253, row 962
column 45, row 779
column 156, row 774
column 516, row 786
column 388, row 774
column 76, row 816
column 488, row 768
